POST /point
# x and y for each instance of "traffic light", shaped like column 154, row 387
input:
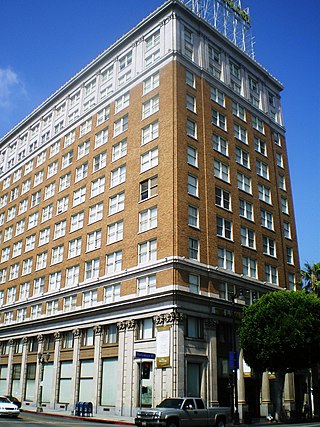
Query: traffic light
column 146, row 367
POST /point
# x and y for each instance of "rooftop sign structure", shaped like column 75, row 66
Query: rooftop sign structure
column 228, row 17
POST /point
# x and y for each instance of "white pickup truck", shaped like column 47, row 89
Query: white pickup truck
column 183, row 412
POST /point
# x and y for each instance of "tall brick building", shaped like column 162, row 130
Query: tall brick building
column 136, row 202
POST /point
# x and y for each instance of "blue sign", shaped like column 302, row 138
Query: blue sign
column 141, row 355
column 233, row 360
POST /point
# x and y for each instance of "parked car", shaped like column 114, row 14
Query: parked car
column 182, row 412
column 7, row 408
column 13, row 400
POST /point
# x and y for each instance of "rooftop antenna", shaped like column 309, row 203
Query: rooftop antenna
column 229, row 18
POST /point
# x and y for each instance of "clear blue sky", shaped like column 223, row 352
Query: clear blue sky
column 44, row 43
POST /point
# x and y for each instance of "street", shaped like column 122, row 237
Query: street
column 38, row 420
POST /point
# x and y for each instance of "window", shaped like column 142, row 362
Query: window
column 72, row 276
column 94, row 240
column 214, row 61
column 69, row 303
column 24, row 291
column 8, row 233
column 85, row 127
column 221, row 170
column 246, row 209
column 244, row 182
column 49, row 190
column 23, row 207
column 223, row 198
column 89, row 298
column 238, row 110
column 81, row 172
column 64, row 182
column 192, row 128
column 99, row 161
column 118, row 176
column 44, row 236
column 95, row 213
column 247, row 237
column 83, row 149
column 148, row 219
column 188, row 43
column 54, row 149
column 257, row 124
column 52, row 307
column 11, row 213
column 36, row 311
column 57, row 254
column 262, row 169
column 28, row 167
column 17, row 249
column 30, row 243
column 193, row 185
column 151, row 83
column 150, row 132
column 38, row 178
column 219, row 119
column 146, row 285
column 101, row 138
column 190, row 79
column 38, row 286
column 193, row 249
column 11, row 295
column 62, row 205
column 125, row 61
column 289, row 252
column 119, row 150
column 97, row 186
column 20, row 227
column 91, row 269
column 147, row 251
column 249, row 267
column 15, row 192
column 115, row 232
column 67, row 159
column 14, row 271
column 150, row 107
column 103, row 115
column 60, row 229
column 5, row 254
column 194, row 283
column 269, row 246
column 149, row 188
column 3, row 276
column 264, row 193
column 114, row 262
column 282, row 182
column 112, row 293
column 41, row 260
column 217, row 96
column 240, row 133
column 287, row 230
column 191, row 103
column 266, row 219
column 153, row 40
column 145, row 329
column 276, row 138
column 225, row 259
column 193, row 216
column 74, row 248
column 69, row 139
column 194, row 327
column 220, row 144
column 192, row 156
column 33, row 220
column 79, row 196
column 55, row 281
column 116, row 203
column 17, row 175
column 284, row 205
column 47, row 213
column 149, row 160
column 242, row 157
column 271, row 274
column 26, row 185
column 291, row 281
column 224, row 228
column 120, row 125
column 260, row 146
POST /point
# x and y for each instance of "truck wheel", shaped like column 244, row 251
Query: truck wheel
column 172, row 423
column 221, row 423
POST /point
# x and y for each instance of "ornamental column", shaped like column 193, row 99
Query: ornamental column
column 96, row 365
column 212, row 372
column 23, row 374
column 76, row 365
column 55, row 374
column 10, row 367
column 265, row 405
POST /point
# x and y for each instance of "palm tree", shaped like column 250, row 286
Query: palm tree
column 311, row 278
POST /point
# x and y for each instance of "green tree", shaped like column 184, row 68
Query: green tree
column 281, row 333
column 310, row 276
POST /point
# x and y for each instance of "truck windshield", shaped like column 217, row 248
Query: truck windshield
column 171, row 403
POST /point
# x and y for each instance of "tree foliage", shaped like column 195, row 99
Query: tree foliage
column 310, row 276
column 281, row 331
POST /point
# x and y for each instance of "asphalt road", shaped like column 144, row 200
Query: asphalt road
column 37, row 420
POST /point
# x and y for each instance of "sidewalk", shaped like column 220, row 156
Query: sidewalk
column 100, row 418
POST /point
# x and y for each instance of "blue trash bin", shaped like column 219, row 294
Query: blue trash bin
column 89, row 409
column 85, row 409
column 81, row 409
column 77, row 409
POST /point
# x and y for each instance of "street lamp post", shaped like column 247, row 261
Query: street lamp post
column 235, row 360
column 42, row 360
